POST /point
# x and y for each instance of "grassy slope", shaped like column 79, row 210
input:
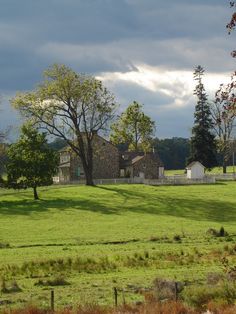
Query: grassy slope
column 84, row 221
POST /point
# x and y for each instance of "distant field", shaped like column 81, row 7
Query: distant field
column 215, row 170
column 95, row 238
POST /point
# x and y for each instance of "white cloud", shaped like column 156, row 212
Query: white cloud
column 177, row 85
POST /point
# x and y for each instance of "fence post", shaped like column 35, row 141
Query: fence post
column 176, row 291
column 123, row 295
column 52, row 300
column 116, row 296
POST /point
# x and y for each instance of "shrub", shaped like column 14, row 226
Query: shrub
column 57, row 281
column 14, row 287
column 200, row 296
column 222, row 232
column 177, row 238
column 215, row 233
column 4, row 286
column 4, row 245
column 166, row 289
column 214, row 278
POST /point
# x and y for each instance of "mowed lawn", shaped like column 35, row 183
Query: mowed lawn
column 118, row 222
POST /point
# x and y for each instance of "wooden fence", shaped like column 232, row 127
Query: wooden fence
column 166, row 180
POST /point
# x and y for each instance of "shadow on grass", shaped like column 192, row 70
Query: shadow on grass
column 196, row 208
column 135, row 200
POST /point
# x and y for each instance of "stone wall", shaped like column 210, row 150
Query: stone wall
column 105, row 161
column 149, row 165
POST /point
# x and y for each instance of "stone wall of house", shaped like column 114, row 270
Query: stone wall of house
column 148, row 165
column 105, row 161
column 76, row 163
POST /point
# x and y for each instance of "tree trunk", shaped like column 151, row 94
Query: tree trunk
column 88, row 170
column 36, row 197
column 224, row 167
column 225, row 159
column 89, row 177
column 86, row 157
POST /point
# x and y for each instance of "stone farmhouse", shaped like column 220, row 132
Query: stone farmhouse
column 140, row 164
column 109, row 163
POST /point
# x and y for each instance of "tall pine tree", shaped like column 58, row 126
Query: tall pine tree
column 203, row 145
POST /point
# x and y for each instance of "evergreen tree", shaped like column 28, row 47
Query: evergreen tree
column 203, row 145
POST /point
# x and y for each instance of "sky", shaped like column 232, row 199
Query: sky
column 142, row 50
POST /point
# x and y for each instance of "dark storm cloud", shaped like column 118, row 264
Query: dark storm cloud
column 155, row 32
column 98, row 36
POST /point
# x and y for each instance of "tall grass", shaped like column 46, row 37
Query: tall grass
column 148, row 308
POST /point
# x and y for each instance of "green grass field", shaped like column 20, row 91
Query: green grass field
column 215, row 170
column 95, row 238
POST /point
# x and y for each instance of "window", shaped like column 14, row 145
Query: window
column 125, row 157
column 64, row 158
column 80, row 172
column 122, row 173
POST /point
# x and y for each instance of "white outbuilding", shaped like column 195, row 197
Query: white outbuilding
column 195, row 170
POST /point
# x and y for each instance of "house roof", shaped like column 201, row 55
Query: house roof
column 194, row 163
column 137, row 158
column 67, row 148
column 130, row 158
column 65, row 164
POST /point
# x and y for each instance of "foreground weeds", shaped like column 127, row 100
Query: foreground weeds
column 150, row 308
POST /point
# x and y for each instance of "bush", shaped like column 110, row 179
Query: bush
column 177, row 238
column 215, row 233
column 200, row 296
column 14, row 287
column 4, row 245
column 166, row 289
column 57, row 281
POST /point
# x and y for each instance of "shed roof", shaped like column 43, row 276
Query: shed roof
column 193, row 163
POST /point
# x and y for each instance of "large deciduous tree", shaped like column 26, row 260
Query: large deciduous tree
column 31, row 162
column 134, row 128
column 72, row 107
column 202, row 145
column 223, row 112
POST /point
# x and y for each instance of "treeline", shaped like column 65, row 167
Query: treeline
column 173, row 151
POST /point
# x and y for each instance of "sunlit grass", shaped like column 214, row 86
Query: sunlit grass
column 133, row 227
column 215, row 170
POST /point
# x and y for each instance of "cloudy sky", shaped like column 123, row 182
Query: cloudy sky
column 143, row 50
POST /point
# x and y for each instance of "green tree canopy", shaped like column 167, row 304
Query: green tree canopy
column 70, row 106
column 31, row 163
column 134, row 128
